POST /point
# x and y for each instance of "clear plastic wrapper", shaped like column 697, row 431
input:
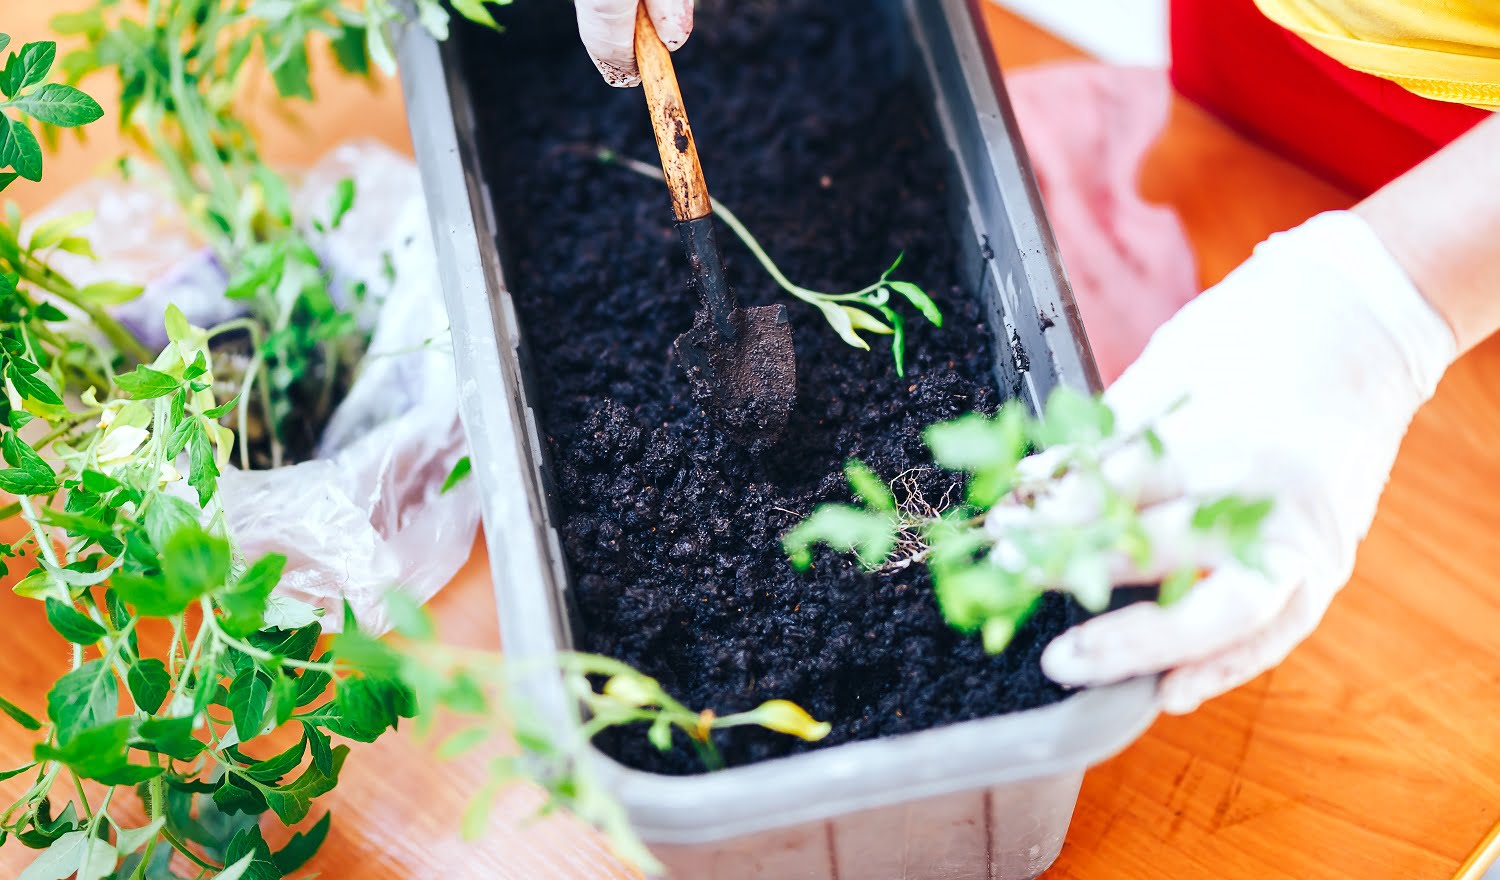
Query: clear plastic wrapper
column 366, row 514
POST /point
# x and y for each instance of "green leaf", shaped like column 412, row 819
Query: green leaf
column 1074, row 417
column 203, row 471
column 284, row 612
column 164, row 517
column 292, row 802
column 273, row 768
column 311, row 685
column 195, row 561
column 460, row 470
column 284, row 697
column 145, row 383
column 407, row 617
column 169, row 736
column 222, row 409
column 870, row 536
column 1237, row 520
column 128, row 840
column 49, row 312
column 248, row 696
column 239, row 870
column 55, row 230
column 474, row 11
column 1176, row 585
column 869, row 486
column 18, row 715
column 292, row 77
column 975, row 442
column 303, row 846
column 100, row 753
column 72, row 625
column 236, row 794
column 898, row 337
column 19, row 149
column 21, row 482
column 151, row 595
column 860, row 319
column 660, row 733
column 971, row 595
column 76, row 854
column 17, row 771
column 367, row 707
column 349, row 50
column 321, row 748
column 343, row 200
column 28, row 66
column 84, row 698
column 60, row 105
column 470, row 738
column 29, row 383
column 248, row 843
column 149, row 683
column 244, row 604
column 109, row 293
column 919, row 298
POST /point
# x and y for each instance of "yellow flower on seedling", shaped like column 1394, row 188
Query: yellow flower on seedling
column 168, row 474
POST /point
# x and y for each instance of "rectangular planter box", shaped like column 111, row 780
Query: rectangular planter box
column 989, row 799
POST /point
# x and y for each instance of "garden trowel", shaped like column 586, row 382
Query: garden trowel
column 740, row 362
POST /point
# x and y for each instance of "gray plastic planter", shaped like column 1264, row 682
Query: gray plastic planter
column 988, row 799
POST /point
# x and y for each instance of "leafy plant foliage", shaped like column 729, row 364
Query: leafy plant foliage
column 991, row 566
column 488, row 697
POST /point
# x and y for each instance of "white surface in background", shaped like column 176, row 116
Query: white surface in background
column 1120, row 31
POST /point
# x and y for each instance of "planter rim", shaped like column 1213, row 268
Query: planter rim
column 526, row 557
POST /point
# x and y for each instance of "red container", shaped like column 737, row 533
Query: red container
column 1354, row 129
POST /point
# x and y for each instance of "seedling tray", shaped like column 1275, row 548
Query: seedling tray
column 989, row 798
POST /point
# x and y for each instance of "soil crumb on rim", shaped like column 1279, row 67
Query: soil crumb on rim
column 672, row 534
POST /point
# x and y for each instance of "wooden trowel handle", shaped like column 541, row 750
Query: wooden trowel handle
column 674, row 138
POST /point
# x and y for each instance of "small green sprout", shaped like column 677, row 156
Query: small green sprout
column 868, row 309
column 479, row 687
column 991, row 567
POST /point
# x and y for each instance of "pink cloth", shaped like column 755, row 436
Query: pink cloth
column 1087, row 127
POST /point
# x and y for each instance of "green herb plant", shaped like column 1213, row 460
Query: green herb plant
column 181, row 669
column 870, row 308
column 119, row 539
column 484, row 696
column 184, row 69
column 990, row 570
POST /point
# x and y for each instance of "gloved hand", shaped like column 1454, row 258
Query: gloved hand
column 1294, row 380
column 608, row 31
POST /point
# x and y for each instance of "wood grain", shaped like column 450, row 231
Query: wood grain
column 669, row 122
column 1369, row 754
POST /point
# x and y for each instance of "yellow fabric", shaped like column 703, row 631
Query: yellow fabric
column 1448, row 50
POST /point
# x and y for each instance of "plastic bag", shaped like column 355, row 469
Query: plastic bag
column 1088, row 127
column 366, row 514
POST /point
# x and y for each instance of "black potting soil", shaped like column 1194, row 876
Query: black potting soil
column 810, row 133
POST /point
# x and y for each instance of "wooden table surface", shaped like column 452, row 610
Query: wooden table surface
column 1372, row 752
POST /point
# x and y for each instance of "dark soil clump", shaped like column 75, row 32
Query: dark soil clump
column 672, row 534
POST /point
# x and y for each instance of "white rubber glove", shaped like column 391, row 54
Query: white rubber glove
column 608, row 31
column 1297, row 377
